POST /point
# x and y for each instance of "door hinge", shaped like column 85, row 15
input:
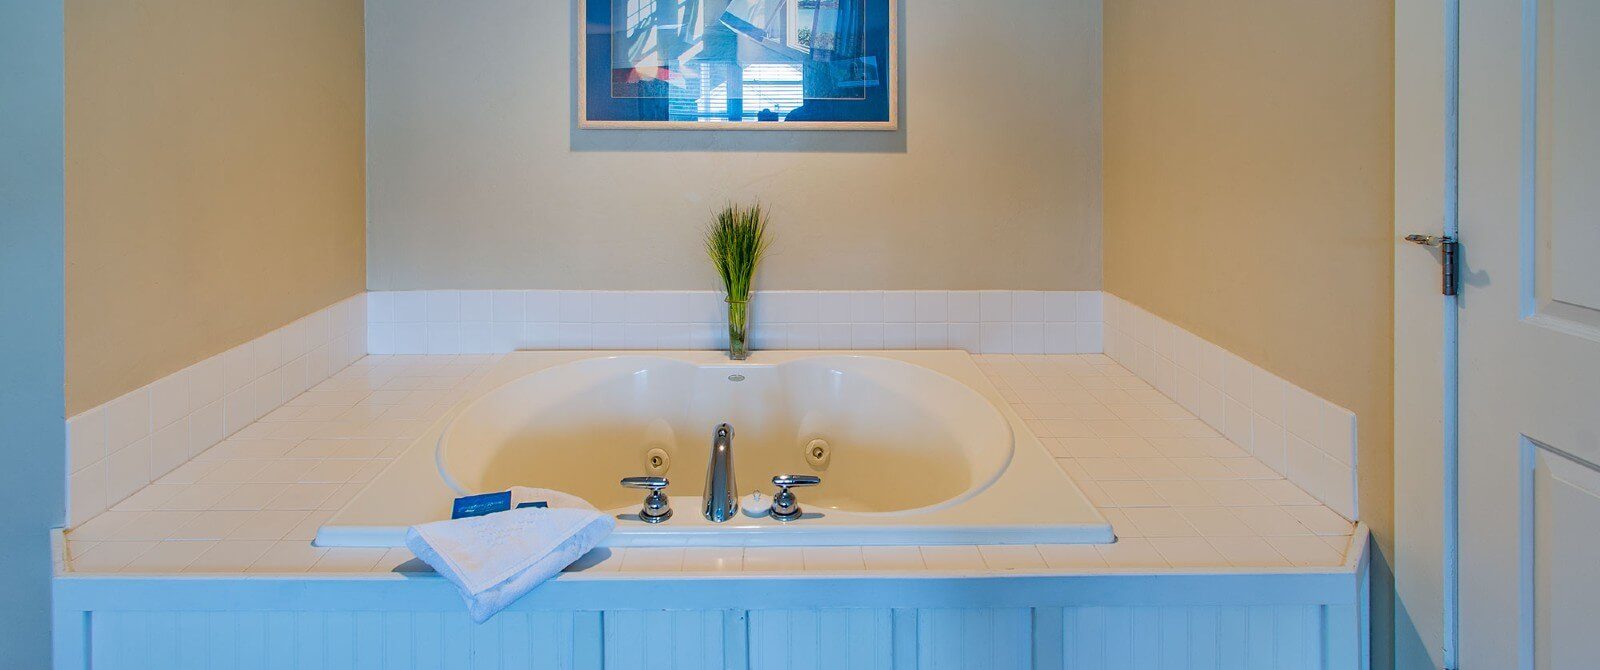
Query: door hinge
column 1449, row 249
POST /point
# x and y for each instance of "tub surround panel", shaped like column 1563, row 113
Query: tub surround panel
column 1308, row 439
column 1179, row 496
column 991, row 322
column 116, row 449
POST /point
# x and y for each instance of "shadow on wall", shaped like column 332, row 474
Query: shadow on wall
column 779, row 141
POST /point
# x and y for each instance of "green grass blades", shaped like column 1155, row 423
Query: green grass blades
column 735, row 241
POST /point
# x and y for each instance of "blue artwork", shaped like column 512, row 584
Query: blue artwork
column 747, row 64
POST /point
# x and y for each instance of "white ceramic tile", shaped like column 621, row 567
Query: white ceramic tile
column 891, row 559
column 963, row 336
column 267, row 525
column 476, row 306
column 1270, row 521
column 229, row 556
column 1060, row 306
column 867, row 307
column 713, row 559
column 505, row 306
column 1267, row 395
column 86, row 494
column 1305, row 550
column 995, row 307
column 653, row 560
column 86, row 439
column 963, row 307
column 1011, row 557
column 1160, row 522
column 1071, row 556
column 895, row 336
column 169, row 399
column 1131, row 552
column 1267, row 442
column 899, row 307
column 1188, row 552
column 834, row 307
column 349, row 559
column 127, row 420
column 169, row 447
column 832, row 559
column 773, row 559
column 956, row 558
column 544, row 306
column 1027, row 338
column 866, row 336
column 931, row 307
column 996, row 338
column 127, row 469
column 288, row 556
column 210, row 525
column 1320, row 520
column 575, row 307
column 605, row 307
column 1283, row 493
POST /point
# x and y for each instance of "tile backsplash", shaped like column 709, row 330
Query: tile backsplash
column 1309, row 440
column 994, row 322
column 119, row 447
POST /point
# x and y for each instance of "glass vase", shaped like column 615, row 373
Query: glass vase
column 738, row 329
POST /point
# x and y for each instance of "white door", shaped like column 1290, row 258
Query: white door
column 1530, row 334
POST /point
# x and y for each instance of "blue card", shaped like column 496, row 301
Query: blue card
column 479, row 505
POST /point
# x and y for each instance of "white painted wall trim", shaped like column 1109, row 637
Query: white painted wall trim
column 117, row 448
column 1307, row 439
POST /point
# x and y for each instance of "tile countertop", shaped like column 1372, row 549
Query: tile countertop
column 1180, row 496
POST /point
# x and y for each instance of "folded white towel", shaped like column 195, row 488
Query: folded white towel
column 496, row 558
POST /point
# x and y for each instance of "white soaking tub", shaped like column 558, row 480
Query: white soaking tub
column 912, row 448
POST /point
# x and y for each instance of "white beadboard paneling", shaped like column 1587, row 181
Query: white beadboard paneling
column 1275, row 637
column 135, row 439
column 1281, row 637
column 809, row 639
column 1267, row 415
column 975, row 638
column 666, row 639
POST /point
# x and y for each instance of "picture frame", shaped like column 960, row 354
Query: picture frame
column 738, row 64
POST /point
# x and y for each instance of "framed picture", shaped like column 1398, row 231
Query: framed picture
column 738, row 64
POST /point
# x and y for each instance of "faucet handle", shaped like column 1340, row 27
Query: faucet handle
column 656, row 507
column 795, row 481
column 652, row 483
column 785, row 507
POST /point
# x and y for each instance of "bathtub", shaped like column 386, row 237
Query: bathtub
column 912, row 447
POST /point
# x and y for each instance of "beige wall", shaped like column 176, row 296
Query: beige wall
column 477, row 178
column 1248, row 193
column 214, row 178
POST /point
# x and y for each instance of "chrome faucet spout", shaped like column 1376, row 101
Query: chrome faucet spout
column 722, row 494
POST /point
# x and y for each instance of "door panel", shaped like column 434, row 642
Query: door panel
column 1564, row 553
column 1530, row 332
column 1569, row 141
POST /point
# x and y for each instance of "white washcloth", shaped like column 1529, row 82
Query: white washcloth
column 496, row 558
